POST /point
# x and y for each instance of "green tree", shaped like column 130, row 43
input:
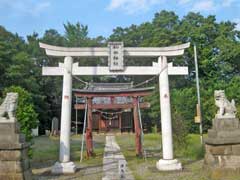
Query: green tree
column 26, row 114
column 76, row 34
column 218, row 54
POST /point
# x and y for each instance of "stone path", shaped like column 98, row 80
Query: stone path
column 114, row 163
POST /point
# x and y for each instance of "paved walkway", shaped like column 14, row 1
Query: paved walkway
column 114, row 163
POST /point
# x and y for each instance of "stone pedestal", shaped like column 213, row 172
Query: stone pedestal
column 14, row 162
column 169, row 165
column 223, row 145
column 64, row 168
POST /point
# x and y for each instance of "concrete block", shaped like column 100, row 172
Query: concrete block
column 225, row 123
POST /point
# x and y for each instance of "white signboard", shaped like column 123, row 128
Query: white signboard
column 115, row 59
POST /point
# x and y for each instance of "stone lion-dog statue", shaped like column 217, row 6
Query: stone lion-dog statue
column 9, row 106
column 226, row 109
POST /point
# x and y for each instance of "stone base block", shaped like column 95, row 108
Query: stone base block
column 168, row 165
column 14, row 166
column 14, row 161
column 64, row 168
column 218, row 150
column 222, row 156
column 9, row 127
column 225, row 123
column 27, row 175
column 13, row 155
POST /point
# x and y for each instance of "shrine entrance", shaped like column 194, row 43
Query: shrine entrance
column 106, row 103
column 115, row 53
column 112, row 105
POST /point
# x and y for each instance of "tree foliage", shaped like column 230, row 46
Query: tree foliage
column 26, row 114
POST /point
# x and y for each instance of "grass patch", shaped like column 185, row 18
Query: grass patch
column 146, row 169
column 193, row 150
column 46, row 153
column 45, row 149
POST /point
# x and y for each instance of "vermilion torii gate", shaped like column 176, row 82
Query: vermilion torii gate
column 115, row 53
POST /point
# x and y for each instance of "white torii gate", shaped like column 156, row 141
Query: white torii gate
column 115, row 52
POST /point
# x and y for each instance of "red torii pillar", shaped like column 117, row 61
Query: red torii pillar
column 120, row 121
column 138, row 142
column 89, row 138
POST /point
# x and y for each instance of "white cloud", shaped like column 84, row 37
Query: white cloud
column 132, row 6
column 205, row 5
column 182, row 2
column 26, row 7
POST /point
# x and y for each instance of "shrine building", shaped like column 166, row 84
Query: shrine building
column 112, row 107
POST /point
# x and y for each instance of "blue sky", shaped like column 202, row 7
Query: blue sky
column 102, row 16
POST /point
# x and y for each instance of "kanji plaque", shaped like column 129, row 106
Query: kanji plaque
column 115, row 59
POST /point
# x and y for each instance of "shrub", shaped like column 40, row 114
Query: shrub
column 26, row 115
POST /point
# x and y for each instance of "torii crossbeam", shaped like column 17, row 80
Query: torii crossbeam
column 115, row 53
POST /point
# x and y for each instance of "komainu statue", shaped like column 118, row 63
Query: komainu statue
column 9, row 106
column 226, row 109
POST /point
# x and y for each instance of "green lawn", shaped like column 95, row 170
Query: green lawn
column 45, row 154
column 145, row 169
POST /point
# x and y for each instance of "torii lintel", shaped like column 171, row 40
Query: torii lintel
column 104, row 51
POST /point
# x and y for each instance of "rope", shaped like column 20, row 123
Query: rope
column 150, row 79
column 110, row 118
column 134, row 86
column 109, row 113
column 84, row 128
column 80, row 80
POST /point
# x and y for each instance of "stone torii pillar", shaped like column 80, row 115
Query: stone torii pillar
column 65, row 165
column 168, row 162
